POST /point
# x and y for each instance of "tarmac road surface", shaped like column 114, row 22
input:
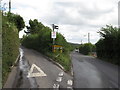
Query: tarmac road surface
column 90, row 72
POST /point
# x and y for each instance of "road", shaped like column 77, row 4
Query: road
column 50, row 76
column 90, row 72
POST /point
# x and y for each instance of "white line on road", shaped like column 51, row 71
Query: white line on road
column 70, row 82
column 70, row 88
column 56, row 86
column 59, row 79
column 40, row 73
column 61, row 74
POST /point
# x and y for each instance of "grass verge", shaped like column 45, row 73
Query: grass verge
column 61, row 58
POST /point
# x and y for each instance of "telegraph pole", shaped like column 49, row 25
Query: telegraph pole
column 88, row 37
column 81, row 41
column 0, row 6
column 119, row 14
column 9, row 6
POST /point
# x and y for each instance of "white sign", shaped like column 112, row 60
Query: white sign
column 40, row 73
column 53, row 34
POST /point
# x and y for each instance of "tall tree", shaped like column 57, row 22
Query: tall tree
column 108, row 47
column 34, row 26
column 17, row 20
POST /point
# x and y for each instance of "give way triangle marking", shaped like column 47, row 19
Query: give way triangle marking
column 40, row 73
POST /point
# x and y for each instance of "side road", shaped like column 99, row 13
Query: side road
column 55, row 76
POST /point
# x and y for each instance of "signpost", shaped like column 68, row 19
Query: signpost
column 54, row 33
column 57, row 48
column 53, row 36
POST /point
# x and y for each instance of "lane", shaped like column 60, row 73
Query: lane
column 22, row 71
column 54, row 75
column 90, row 72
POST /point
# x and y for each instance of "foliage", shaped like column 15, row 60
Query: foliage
column 61, row 58
column 108, row 47
column 34, row 27
column 10, row 46
column 74, row 46
column 86, row 48
column 40, row 40
column 17, row 20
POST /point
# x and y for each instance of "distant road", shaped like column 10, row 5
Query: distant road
column 55, row 77
column 90, row 72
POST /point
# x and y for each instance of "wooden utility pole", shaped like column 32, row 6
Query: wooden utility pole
column 88, row 37
column 0, row 6
column 81, row 41
column 9, row 6
column 119, row 14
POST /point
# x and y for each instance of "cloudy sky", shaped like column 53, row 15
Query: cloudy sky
column 75, row 18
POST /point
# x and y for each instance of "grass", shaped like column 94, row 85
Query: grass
column 61, row 58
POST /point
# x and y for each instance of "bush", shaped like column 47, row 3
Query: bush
column 17, row 20
column 108, row 47
column 86, row 48
column 10, row 46
column 41, row 41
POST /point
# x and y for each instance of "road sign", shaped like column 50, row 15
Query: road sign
column 40, row 73
column 57, row 47
column 55, row 27
column 53, row 34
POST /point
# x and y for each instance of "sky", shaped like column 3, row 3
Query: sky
column 75, row 18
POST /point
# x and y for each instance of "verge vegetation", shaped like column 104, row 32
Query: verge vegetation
column 39, row 38
column 108, row 47
column 10, row 43
column 87, row 48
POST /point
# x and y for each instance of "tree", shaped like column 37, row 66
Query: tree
column 17, row 20
column 34, row 26
column 108, row 46
column 87, row 48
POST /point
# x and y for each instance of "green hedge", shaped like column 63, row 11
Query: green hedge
column 10, row 46
column 108, row 47
column 87, row 48
column 42, row 42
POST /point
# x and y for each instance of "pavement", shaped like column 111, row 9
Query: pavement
column 90, row 72
column 35, row 71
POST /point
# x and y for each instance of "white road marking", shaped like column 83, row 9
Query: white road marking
column 59, row 79
column 39, row 74
column 61, row 73
column 56, row 86
column 70, row 88
column 70, row 82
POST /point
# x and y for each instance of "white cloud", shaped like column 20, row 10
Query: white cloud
column 74, row 17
